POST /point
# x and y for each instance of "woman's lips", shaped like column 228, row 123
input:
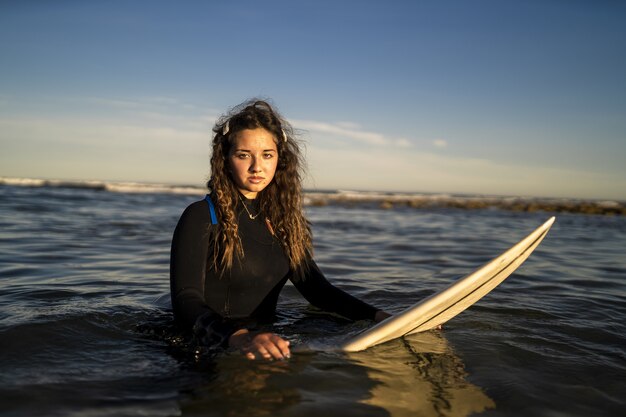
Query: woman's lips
column 255, row 180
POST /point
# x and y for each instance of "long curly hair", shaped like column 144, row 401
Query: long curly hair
column 280, row 201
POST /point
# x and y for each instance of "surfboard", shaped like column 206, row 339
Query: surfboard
column 447, row 303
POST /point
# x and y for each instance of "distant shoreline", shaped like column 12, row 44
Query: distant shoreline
column 525, row 204
column 381, row 200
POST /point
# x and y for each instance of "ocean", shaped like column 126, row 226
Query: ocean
column 86, row 328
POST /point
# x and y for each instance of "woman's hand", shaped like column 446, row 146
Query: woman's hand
column 260, row 345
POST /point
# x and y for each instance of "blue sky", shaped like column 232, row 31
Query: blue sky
column 491, row 97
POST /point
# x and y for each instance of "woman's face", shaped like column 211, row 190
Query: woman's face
column 252, row 161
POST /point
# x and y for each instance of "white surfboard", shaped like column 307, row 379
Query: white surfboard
column 447, row 303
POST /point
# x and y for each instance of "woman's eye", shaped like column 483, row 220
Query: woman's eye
column 242, row 155
column 268, row 155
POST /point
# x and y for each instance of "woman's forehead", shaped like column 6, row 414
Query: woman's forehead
column 256, row 139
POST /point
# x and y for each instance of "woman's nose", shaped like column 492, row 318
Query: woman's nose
column 255, row 166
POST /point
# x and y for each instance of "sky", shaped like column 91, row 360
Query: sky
column 499, row 97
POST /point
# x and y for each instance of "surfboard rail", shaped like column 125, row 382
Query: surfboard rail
column 452, row 300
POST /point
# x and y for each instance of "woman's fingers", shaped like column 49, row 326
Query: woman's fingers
column 278, row 348
column 273, row 352
column 268, row 346
column 265, row 352
column 283, row 345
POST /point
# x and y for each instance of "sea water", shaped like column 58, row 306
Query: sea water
column 86, row 330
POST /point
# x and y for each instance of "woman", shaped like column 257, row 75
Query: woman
column 233, row 252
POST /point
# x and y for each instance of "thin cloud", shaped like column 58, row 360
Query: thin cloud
column 138, row 102
column 351, row 131
column 165, row 111
column 418, row 171
column 440, row 143
column 114, row 103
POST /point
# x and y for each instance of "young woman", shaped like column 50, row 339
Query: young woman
column 233, row 252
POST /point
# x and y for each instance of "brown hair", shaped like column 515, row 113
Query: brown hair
column 280, row 201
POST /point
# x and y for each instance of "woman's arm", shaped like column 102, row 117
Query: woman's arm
column 314, row 286
column 190, row 246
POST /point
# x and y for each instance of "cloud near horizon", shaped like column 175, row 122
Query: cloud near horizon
column 440, row 143
column 419, row 171
column 351, row 131
column 157, row 141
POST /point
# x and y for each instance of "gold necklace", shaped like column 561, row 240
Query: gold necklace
column 248, row 211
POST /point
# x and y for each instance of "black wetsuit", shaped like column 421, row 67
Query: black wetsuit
column 215, row 307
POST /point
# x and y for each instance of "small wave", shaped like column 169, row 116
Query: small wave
column 116, row 187
column 383, row 200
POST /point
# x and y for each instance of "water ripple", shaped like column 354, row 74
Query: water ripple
column 85, row 326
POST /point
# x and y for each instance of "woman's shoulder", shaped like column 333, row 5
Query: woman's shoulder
column 192, row 229
column 200, row 205
column 196, row 212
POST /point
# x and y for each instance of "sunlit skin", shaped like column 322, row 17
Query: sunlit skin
column 252, row 161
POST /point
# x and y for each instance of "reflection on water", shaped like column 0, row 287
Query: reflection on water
column 306, row 385
column 421, row 375
column 417, row 375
